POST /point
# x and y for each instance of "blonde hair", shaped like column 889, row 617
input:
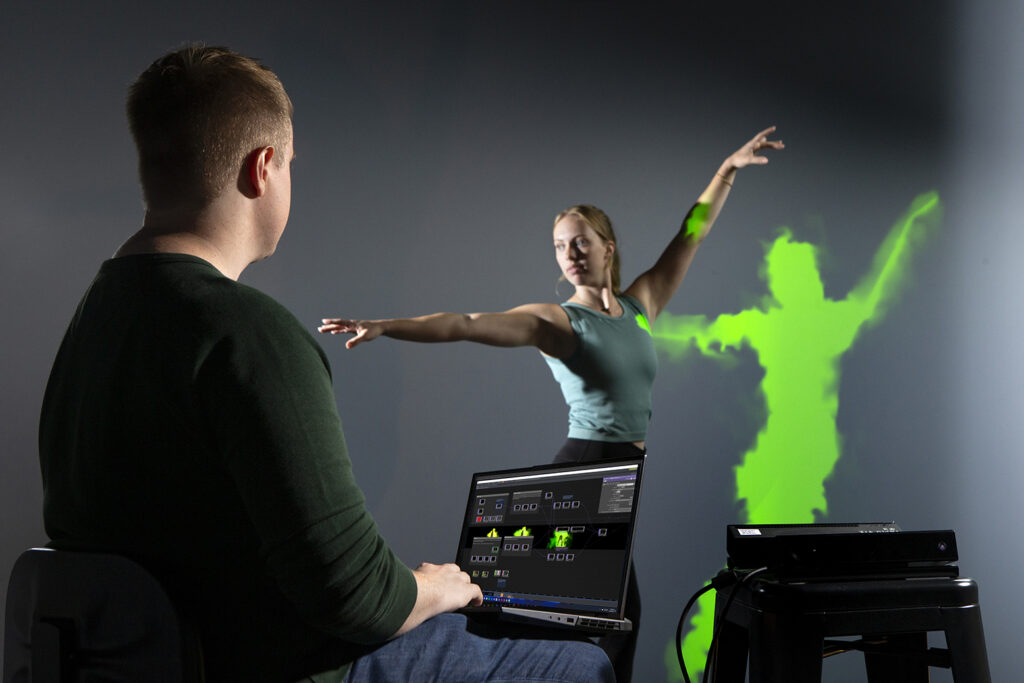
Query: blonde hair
column 598, row 220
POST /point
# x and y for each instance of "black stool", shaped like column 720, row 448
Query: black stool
column 784, row 626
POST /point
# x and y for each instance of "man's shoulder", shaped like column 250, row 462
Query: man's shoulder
column 197, row 283
column 197, row 297
column 243, row 299
column 237, row 308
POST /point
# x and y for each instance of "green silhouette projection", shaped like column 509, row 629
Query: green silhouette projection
column 641, row 322
column 798, row 336
column 561, row 538
column 523, row 532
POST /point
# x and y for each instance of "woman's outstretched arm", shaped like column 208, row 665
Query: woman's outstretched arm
column 545, row 326
column 655, row 287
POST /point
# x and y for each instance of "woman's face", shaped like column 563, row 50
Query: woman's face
column 584, row 256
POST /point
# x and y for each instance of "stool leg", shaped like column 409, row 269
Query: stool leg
column 785, row 648
column 965, row 639
column 731, row 663
column 890, row 667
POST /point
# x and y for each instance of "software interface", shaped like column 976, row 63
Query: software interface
column 557, row 539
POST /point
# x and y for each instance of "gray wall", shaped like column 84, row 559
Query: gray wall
column 434, row 146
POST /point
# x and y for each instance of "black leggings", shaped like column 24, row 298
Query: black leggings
column 621, row 648
column 582, row 450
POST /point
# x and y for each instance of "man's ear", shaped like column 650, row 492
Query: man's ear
column 258, row 165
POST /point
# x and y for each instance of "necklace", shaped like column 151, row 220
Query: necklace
column 599, row 306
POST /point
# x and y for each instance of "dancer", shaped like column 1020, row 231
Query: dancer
column 598, row 342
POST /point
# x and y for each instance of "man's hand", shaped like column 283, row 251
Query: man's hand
column 439, row 588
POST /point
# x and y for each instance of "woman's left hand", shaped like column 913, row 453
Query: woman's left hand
column 748, row 153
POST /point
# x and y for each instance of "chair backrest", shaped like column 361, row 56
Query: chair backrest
column 91, row 616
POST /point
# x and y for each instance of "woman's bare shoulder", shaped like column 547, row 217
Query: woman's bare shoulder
column 552, row 313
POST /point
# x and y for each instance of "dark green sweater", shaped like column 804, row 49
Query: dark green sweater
column 189, row 422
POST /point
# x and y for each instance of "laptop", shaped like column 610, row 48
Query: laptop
column 551, row 545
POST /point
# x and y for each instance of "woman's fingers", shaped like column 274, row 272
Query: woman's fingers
column 358, row 339
column 748, row 153
column 336, row 325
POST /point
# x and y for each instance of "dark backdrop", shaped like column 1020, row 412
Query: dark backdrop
column 435, row 144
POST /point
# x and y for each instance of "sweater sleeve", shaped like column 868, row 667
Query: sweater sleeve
column 266, row 387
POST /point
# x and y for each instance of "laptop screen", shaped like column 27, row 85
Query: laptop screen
column 554, row 537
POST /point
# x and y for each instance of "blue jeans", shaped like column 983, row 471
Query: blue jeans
column 441, row 649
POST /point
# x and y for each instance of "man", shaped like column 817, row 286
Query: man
column 189, row 421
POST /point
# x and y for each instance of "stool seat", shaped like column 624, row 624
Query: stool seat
column 783, row 626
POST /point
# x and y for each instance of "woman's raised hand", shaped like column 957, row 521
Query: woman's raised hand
column 748, row 153
column 364, row 330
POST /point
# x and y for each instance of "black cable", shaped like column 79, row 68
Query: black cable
column 679, row 629
column 711, row 664
column 721, row 580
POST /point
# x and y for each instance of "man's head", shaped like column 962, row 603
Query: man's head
column 196, row 115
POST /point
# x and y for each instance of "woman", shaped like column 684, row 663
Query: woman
column 587, row 254
column 598, row 342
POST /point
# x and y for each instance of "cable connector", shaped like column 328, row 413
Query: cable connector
column 725, row 578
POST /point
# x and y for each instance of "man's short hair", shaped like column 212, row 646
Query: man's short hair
column 196, row 114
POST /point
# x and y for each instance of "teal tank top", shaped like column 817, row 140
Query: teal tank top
column 607, row 381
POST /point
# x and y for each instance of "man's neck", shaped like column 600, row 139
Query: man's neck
column 206, row 234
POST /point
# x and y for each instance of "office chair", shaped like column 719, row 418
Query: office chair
column 78, row 616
